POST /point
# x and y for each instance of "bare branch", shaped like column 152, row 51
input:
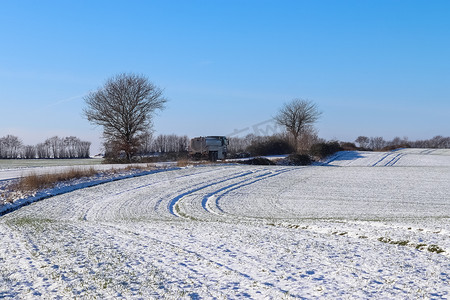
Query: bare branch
column 296, row 116
column 124, row 107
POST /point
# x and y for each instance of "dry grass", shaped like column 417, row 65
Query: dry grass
column 183, row 163
column 34, row 181
column 147, row 167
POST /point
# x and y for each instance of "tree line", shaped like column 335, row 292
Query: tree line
column 309, row 142
column 149, row 145
column 379, row 143
column 12, row 147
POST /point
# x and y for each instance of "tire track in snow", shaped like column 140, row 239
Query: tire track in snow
column 174, row 201
column 161, row 181
column 394, row 160
column 427, row 151
column 226, row 190
column 381, row 159
column 122, row 202
column 198, row 186
column 174, row 204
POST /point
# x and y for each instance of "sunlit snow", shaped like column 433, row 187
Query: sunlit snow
column 362, row 225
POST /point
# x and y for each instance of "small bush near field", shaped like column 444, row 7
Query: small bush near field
column 322, row 150
column 346, row 146
column 273, row 146
column 258, row 161
column 395, row 147
column 299, row 159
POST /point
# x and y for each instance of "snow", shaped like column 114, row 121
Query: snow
column 402, row 158
column 8, row 172
column 238, row 231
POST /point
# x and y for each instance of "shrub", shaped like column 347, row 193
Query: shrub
column 394, row 147
column 258, row 161
column 347, row 146
column 272, row 146
column 322, row 150
column 299, row 159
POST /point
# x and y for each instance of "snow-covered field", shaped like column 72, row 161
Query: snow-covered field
column 16, row 168
column 234, row 231
column 401, row 158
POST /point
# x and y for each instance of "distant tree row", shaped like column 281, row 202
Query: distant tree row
column 11, row 147
column 169, row 143
column 310, row 143
column 163, row 143
column 379, row 143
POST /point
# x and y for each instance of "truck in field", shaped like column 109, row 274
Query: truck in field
column 209, row 147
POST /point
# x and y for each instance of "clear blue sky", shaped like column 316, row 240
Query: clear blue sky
column 375, row 68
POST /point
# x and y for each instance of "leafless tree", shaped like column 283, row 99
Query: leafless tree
column 2, row 148
column 73, row 147
column 146, row 139
column 398, row 141
column 377, row 143
column 42, row 151
column 308, row 138
column 296, row 116
column 238, row 145
column 170, row 143
column 124, row 108
column 160, row 144
column 10, row 147
column 363, row 141
column 29, row 152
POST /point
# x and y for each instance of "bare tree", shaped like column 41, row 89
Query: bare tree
column 377, row 143
column 29, row 152
column 124, row 107
column 10, row 147
column 170, row 143
column 296, row 116
column 308, row 138
column 42, row 151
column 146, row 142
column 363, row 141
column 2, row 148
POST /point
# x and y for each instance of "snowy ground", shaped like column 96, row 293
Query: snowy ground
column 234, row 231
column 12, row 169
column 402, row 157
column 32, row 163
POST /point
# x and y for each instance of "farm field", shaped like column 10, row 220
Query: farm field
column 33, row 163
column 16, row 168
column 400, row 158
column 363, row 225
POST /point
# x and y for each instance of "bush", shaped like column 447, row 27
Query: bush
column 258, row 161
column 322, row 150
column 394, row 147
column 299, row 159
column 272, row 146
column 347, row 146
